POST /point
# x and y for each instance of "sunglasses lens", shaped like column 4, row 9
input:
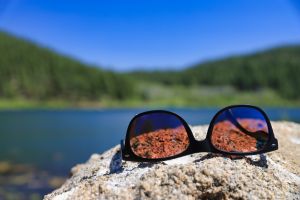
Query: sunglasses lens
column 158, row 135
column 240, row 129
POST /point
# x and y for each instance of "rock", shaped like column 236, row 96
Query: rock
column 24, row 181
column 5, row 167
column 275, row 175
column 8, row 168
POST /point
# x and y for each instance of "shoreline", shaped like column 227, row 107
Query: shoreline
column 87, row 109
column 64, row 105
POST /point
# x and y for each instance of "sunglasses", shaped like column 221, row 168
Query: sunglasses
column 161, row 135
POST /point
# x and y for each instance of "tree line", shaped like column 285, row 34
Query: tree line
column 33, row 72
column 277, row 69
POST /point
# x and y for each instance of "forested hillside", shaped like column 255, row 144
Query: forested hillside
column 277, row 69
column 33, row 72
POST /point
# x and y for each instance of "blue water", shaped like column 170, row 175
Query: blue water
column 57, row 140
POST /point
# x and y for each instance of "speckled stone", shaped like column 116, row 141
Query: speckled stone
column 275, row 175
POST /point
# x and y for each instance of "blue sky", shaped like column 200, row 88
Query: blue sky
column 153, row 34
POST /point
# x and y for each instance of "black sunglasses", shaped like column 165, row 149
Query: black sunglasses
column 161, row 135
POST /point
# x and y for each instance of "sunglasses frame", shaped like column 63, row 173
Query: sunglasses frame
column 196, row 146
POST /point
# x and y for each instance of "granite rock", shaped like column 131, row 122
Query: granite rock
column 274, row 175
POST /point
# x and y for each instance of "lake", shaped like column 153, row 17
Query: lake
column 55, row 140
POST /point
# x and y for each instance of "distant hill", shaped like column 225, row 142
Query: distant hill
column 38, row 74
column 32, row 72
column 278, row 69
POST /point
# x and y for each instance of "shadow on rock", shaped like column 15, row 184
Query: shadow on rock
column 261, row 162
column 207, row 157
column 116, row 166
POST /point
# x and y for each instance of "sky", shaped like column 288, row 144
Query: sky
column 153, row 34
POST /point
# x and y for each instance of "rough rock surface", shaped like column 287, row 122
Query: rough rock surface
column 275, row 175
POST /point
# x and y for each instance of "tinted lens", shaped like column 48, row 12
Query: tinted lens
column 158, row 135
column 240, row 129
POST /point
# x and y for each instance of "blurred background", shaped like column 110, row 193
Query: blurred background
column 74, row 73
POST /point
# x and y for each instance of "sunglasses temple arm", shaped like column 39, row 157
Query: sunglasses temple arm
column 122, row 146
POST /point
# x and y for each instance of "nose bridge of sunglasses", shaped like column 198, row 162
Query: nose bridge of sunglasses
column 200, row 146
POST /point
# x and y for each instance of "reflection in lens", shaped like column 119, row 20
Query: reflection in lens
column 158, row 135
column 240, row 129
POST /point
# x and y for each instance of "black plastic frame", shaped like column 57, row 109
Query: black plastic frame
column 196, row 146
